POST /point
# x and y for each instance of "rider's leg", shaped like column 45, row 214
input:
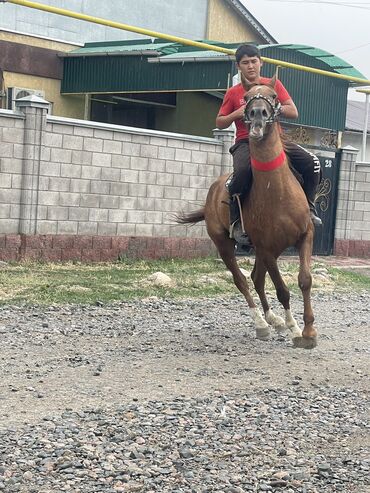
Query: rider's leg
column 238, row 187
column 308, row 165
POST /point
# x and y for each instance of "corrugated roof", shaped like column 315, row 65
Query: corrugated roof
column 121, row 47
column 167, row 51
column 158, row 46
column 331, row 62
column 194, row 56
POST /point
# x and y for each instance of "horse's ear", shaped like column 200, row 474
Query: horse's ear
column 245, row 83
column 274, row 78
column 273, row 81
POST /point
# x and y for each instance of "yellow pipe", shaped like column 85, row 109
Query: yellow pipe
column 175, row 39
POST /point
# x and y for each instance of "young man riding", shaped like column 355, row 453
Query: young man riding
column 248, row 61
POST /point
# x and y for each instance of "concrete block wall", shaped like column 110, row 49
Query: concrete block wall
column 69, row 188
column 352, row 233
column 104, row 181
column 11, row 170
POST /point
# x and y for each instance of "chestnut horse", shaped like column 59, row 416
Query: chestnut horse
column 276, row 216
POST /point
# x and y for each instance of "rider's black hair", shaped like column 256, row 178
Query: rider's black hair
column 246, row 50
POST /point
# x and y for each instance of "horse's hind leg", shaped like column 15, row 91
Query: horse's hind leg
column 309, row 334
column 226, row 249
column 283, row 296
column 258, row 277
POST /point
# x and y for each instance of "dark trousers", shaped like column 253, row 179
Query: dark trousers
column 303, row 161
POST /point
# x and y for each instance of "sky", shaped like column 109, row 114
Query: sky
column 341, row 27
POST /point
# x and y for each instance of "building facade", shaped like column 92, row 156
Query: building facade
column 32, row 40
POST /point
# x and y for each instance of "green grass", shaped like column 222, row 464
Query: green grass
column 42, row 283
column 345, row 279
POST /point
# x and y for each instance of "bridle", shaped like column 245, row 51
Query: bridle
column 274, row 105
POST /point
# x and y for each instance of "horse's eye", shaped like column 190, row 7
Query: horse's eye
column 274, row 96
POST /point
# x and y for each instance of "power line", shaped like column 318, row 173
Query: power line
column 352, row 49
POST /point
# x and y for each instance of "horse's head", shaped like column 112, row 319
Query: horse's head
column 262, row 107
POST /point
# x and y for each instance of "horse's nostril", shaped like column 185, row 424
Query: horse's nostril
column 264, row 113
column 252, row 113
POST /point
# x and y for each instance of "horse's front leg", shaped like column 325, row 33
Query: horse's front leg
column 259, row 277
column 309, row 334
column 283, row 295
column 226, row 249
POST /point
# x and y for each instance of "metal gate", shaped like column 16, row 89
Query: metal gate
column 326, row 203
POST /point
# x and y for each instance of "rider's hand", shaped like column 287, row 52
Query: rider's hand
column 239, row 113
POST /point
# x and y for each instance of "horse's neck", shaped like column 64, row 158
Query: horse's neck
column 269, row 147
column 276, row 180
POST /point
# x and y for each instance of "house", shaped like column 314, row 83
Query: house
column 30, row 44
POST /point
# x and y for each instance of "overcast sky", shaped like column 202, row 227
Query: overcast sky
column 341, row 27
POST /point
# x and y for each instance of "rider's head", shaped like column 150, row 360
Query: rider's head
column 247, row 50
column 248, row 61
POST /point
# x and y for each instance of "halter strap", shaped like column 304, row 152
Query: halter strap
column 275, row 107
column 269, row 165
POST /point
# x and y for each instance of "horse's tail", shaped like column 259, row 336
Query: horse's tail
column 190, row 217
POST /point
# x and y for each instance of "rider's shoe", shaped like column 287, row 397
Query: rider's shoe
column 313, row 213
column 236, row 233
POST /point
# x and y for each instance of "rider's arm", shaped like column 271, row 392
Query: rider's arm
column 224, row 121
column 288, row 109
column 232, row 108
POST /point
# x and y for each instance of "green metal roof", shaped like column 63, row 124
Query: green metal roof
column 120, row 47
column 87, row 71
column 163, row 48
column 118, row 74
column 168, row 51
column 332, row 62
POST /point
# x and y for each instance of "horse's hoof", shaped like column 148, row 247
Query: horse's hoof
column 263, row 334
column 278, row 323
column 281, row 329
column 305, row 342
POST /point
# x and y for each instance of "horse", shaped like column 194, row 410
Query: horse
column 275, row 214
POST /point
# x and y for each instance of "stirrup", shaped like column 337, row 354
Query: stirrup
column 236, row 233
column 315, row 219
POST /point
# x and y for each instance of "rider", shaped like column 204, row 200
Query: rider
column 248, row 61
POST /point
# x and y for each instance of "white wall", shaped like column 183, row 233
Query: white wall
column 354, row 139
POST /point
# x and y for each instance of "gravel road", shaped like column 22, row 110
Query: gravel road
column 179, row 396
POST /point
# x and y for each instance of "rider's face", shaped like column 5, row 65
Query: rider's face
column 250, row 67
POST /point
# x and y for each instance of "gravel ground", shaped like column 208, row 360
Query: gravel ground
column 179, row 396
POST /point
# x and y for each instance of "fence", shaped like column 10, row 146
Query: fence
column 73, row 189
column 352, row 232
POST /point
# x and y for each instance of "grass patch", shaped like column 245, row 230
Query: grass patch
column 62, row 283
column 345, row 279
